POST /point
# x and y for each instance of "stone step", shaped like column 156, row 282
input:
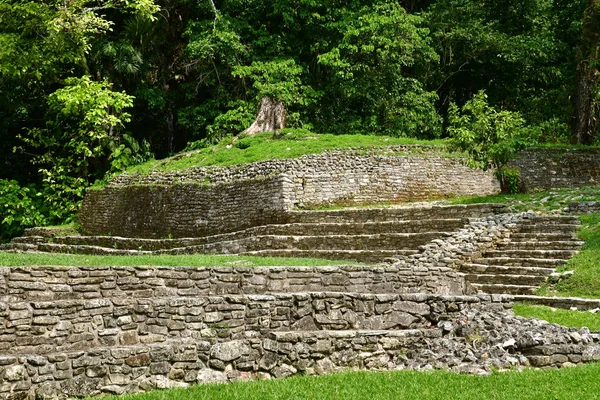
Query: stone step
column 358, row 228
column 384, row 241
column 521, row 262
column 555, row 219
column 55, row 283
column 29, row 239
column 504, row 270
column 552, row 254
column 541, row 245
column 85, row 249
column 506, row 279
column 504, row 289
column 420, row 212
column 543, row 236
column 427, row 229
column 18, row 247
column 260, row 244
column 368, row 256
column 582, row 304
column 546, row 228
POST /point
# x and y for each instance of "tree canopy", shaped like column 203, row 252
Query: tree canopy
column 91, row 87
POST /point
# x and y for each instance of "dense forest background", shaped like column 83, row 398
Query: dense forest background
column 89, row 87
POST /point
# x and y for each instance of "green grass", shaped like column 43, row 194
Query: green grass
column 264, row 147
column 568, row 383
column 24, row 259
column 545, row 201
column 585, row 282
column 572, row 319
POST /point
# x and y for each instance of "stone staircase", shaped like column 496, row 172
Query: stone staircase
column 364, row 235
column 523, row 261
column 517, row 264
column 80, row 331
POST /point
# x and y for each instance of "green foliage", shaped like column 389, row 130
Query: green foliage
column 278, row 79
column 510, row 179
column 20, row 208
column 197, row 73
column 368, row 72
column 236, row 119
column 520, row 52
column 84, row 124
column 490, row 138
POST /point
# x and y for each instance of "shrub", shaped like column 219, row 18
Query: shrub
column 490, row 138
column 20, row 209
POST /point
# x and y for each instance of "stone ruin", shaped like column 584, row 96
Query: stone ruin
column 78, row 331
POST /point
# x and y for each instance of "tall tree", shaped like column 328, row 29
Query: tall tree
column 586, row 121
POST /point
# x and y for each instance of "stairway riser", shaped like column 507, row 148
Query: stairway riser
column 363, row 257
column 491, row 270
column 538, row 246
column 506, row 290
column 394, row 214
column 506, row 279
column 382, row 242
column 550, row 254
column 559, row 229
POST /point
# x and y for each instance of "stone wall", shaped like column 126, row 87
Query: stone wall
column 558, row 168
column 43, row 327
column 50, row 283
column 203, row 201
column 124, row 345
column 184, row 209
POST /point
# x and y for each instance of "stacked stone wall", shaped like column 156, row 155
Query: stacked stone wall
column 49, row 283
column 558, row 168
column 184, row 209
column 86, row 347
column 43, row 327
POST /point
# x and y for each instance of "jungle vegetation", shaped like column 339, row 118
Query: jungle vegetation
column 91, row 87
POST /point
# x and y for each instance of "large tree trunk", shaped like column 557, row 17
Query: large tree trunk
column 586, row 102
column 271, row 117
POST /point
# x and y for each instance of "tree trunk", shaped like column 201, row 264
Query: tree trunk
column 586, row 102
column 271, row 117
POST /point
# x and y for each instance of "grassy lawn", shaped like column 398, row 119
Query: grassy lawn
column 569, row 383
column 585, row 282
column 573, row 319
column 194, row 260
column 264, row 147
column 545, row 201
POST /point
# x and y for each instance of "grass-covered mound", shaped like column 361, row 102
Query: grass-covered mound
column 288, row 143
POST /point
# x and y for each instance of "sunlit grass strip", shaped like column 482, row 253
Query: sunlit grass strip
column 24, row 259
column 569, row 383
column 550, row 200
column 573, row 319
column 585, row 282
column 265, row 147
